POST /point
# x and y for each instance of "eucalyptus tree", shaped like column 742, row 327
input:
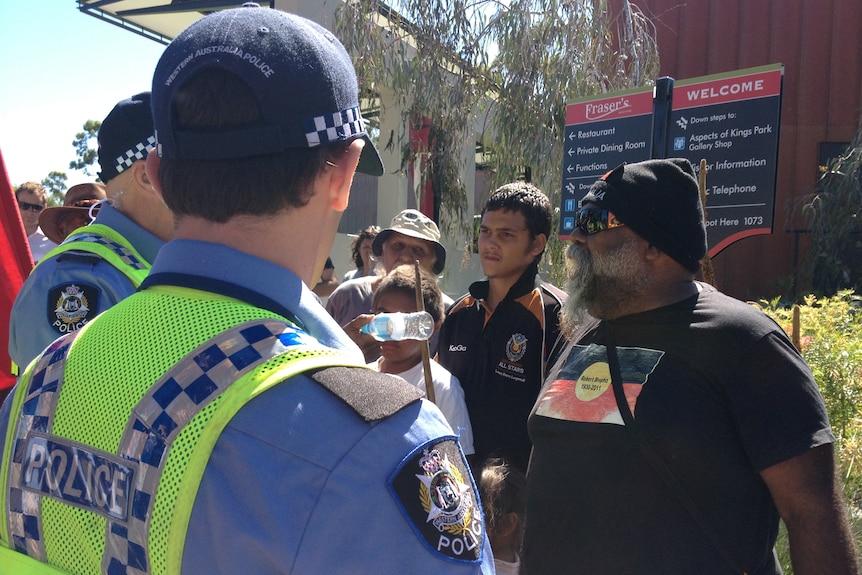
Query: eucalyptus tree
column 834, row 215
column 508, row 67
column 55, row 184
column 85, row 148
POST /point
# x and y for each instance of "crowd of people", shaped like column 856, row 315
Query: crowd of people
column 189, row 404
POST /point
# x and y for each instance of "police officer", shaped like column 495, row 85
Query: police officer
column 101, row 264
column 218, row 421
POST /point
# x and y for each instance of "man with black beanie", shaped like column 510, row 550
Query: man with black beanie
column 681, row 424
column 101, row 264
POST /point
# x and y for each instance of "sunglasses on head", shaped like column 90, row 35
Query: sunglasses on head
column 88, row 203
column 592, row 220
column 31, row 207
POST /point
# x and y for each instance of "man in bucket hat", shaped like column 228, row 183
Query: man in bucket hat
column 394, row 244
column 411, row 236
column 680, row 424
column 243, row 432
column 106, row 261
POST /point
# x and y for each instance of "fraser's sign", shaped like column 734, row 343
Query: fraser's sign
column 730, row 120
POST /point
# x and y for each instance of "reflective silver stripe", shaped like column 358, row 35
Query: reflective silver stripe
column 125, row 254
column 168, row 406
column 154, row 424
column 37, row 415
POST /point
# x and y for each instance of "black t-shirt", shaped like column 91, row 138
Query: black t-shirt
column 720, row 393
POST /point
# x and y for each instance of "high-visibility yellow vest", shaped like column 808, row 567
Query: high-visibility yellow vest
column 112, row 491
column 108, row 244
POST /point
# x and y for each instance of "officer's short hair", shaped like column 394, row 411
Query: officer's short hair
column 217, row 189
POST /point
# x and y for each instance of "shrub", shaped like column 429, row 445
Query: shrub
column 830, row 340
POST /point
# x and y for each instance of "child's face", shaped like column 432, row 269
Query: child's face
column 404, row 354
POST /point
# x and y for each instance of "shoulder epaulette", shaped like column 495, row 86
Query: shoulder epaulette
column 79, row 255
column 371, row 394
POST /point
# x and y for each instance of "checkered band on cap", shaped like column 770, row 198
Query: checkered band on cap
column 336, row 127
column 300, row 74
column 137, row 152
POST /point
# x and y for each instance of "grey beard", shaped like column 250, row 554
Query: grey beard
column 601, row 286
column 581, row 290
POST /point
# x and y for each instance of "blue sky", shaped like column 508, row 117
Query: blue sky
column 60, row 68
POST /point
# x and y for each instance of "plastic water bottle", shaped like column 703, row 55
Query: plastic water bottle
column 400, row 325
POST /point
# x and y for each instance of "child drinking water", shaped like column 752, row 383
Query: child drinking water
column 397, row 292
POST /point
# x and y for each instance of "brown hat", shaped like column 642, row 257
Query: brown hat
column 79, row 199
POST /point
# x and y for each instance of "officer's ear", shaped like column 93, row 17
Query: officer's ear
column 151, row 172
column 340, row 173
column 138, row 174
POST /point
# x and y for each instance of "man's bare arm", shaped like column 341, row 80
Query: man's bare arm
column 808, row 496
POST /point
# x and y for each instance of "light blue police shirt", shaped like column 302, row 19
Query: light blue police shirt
column 34, row 322
column 297, row 482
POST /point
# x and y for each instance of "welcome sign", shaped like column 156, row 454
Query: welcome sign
column 730, row 120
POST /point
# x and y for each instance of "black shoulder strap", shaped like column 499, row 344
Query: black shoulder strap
column 371, row 394
column 649, row 453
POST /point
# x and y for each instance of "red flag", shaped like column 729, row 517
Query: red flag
column 15, row 265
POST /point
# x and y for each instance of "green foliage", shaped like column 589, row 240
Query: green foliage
column 509, row 68
column 830, row 340
column 55, row 183
column 85, row 147
column 834, row 215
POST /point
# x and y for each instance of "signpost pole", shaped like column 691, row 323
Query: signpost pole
column 706, row 264
column 662, row 105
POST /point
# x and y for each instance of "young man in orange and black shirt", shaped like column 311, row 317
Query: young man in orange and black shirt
column 498, row 338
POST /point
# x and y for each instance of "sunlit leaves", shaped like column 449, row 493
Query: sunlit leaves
column 507, row 68
column 85, row 147
column 834, row 216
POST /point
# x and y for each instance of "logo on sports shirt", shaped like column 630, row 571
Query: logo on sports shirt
column 516, row 347
column 69, row 306
column 440, row 500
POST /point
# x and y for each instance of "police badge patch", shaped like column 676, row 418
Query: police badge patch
column 435, row 491
column 71, row 306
